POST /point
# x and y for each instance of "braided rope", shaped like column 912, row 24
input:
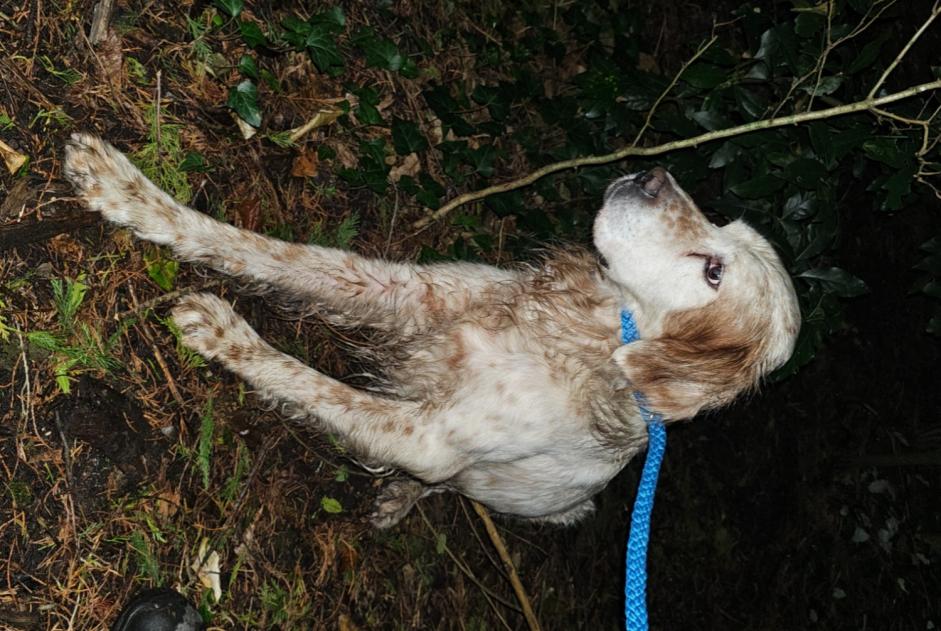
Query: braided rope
column 635, row 583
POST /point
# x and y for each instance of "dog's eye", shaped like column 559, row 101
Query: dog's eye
column 713, row 272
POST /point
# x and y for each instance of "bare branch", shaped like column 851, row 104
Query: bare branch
column 869, row 104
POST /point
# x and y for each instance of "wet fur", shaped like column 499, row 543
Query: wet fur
column 507, row 385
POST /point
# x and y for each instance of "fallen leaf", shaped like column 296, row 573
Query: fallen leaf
column 411, row 166
column 305, row 164
column 247, row 130
column 324, row 117
column 206, row 567
column 12, row 158
column 346, row 156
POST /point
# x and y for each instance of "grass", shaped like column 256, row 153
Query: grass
column 75, row 346
column 162, row 155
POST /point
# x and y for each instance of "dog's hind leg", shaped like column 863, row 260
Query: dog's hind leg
column 402, row 434
column 362, row 291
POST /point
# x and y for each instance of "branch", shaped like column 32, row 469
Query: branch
column 935, row 11
column 868, row 104
column 497, row 541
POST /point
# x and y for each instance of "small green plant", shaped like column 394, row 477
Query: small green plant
column 207, row 427
column 68, row 76
column 68, row 296
column 75, row 346
column 162, row 156
column 188, row 357
column 341, row 237
column 331, row 505
column 161, row 269
column 147, row 562
column 242, row 464
column 55, row 117
column 5, row 328
column 136, row 70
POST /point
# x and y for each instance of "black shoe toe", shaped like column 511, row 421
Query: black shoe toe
column 158, row 610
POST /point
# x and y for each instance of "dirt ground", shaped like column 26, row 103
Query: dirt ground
column 813, row 504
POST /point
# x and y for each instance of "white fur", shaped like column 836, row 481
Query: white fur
column 509, row 386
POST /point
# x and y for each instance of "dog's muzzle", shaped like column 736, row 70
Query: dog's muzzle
column 649, row 183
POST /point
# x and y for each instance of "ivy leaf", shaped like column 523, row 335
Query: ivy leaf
column 704, row 76
column 366, row 111
column 867, row 55
column 757, row 187
column 232, row 8
column 243, row 98
column 897, row 186
column 331, row 505
column 482, row 158
column 247, row 67
column 383, row 53
column 884, row 150
column 322, row 48
column 826, row 85
column 837, row 281
column 194, row 163
column 407, row 137
column 800, row 206
column 252, row 35
column 805, row 173
column 724, row 155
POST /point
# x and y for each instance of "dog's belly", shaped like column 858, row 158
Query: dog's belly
column 538, row 486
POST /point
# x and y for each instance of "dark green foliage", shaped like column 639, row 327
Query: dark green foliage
column 790, row 183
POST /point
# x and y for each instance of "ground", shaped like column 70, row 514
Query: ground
column 125, row 461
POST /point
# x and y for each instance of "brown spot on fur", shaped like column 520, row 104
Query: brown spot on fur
column 407, row 429
column 459, row 355
column 704, row 358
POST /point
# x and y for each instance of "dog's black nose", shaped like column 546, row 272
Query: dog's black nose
column 653, row 180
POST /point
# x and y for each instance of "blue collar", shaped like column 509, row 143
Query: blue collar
column 630, row 333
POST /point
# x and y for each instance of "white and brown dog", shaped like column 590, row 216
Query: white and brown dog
column 509, row 386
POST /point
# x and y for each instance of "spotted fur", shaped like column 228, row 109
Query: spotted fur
column 507, row 385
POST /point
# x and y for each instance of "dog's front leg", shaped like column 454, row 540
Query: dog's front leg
column 403, row 434
column 365, row 292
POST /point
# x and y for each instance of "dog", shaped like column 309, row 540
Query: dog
column 509, row 386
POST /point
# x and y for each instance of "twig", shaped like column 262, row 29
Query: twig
column 149, row 334
column 935, row 12
column 653, row 108
column 101, row 15
column 518, row 588
column 771, row 123
column 167, row 297
column 491, row 598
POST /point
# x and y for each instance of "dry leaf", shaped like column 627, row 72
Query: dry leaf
column 207, row 571
column 410, row 166
column 247, row 130
column 324, row 117
column 347, row 158
column 111, row 55
column 305, row 164
column 12, row 158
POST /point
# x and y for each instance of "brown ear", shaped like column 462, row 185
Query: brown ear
column 680, row 377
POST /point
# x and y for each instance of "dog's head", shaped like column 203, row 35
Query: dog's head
column 716, row 307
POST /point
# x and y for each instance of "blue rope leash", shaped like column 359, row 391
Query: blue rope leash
column 635, row 583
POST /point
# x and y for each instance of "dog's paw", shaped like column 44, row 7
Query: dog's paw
column 107, row 182
column 395, row 502
column 210, row 326
column 98, row 171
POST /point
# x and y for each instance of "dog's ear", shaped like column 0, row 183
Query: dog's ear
column 695, row 368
